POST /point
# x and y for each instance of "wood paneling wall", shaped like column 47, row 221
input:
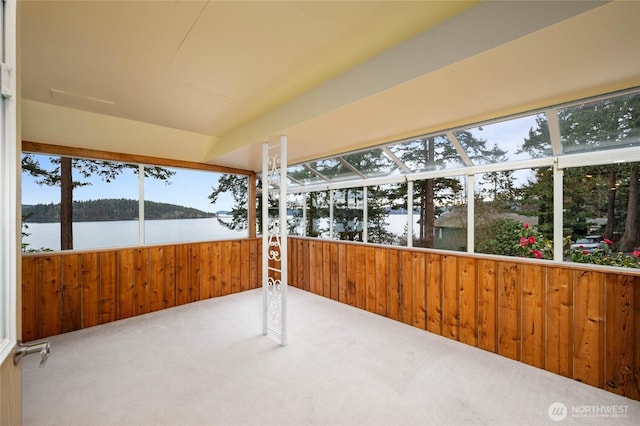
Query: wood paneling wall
column 67, row 291
column 579, row 323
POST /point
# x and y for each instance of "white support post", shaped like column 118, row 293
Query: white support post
column 283, row 239
column 274, row 243
column 331, row 214
column 471, row 213
column 265, row 236
column 141, row 235
column 410, row 213
column 558, row 213
column 365, row 214
column 304, row 213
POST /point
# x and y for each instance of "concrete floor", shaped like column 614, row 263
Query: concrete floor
column 206, row 363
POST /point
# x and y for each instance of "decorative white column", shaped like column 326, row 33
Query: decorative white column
column 274, row 242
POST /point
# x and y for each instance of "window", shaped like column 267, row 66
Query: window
column 296, row 213
column 601, row 125
column 177, row 207
column 590, row 149
column 105, row 204
column 442, row 203
column 348, row 208
column 511, row 205
column 387, row 214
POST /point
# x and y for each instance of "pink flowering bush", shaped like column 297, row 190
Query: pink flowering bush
column 533, row 244
column 602, row 256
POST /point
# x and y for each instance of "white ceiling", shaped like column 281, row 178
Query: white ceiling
column 208, row 81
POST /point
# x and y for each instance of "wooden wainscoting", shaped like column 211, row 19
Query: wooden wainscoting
column 66, row 291
column 577, row 322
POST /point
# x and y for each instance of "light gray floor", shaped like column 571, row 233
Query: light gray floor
column 207, row 364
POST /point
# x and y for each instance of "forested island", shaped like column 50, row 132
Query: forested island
column 111, row 209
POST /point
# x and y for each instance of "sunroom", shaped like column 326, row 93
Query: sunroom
column 441, row 163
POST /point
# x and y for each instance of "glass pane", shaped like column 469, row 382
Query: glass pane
column 441, row 218
column 606, row 124
column 317, row 214
column 514, row 213
column 295, row 214
column 426, row 154
column 371, row 163
column 387, row 214
column 105, row 203
column 601, row 214
column 348, row 208
column 302, row 174
column 177, row 206
column 518, row 139
column 333, row 169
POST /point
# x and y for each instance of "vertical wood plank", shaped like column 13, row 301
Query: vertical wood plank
column 370, row 279
column 533, row 315
column 306, row 267
column 194, row 273
column 108, row 286
column 50, row 296
column 30, row 297
column 216, row 269
column 326, row 269
column 156, row 278
column 335, row 271
column 351, row 274
column 393, row 294
column 559, row 347
column 182, row 273
column 361, row 277
column 254, row 281
column 292, row 262
column 311, row 261
column 450, row 302
column 620, row 334
column 234, row 279
column 245, row 264
column 509, row 310
column 381, row 281
column 71, row 318
column 342, row 273
column 468, row 297
column 434, row 293
column 315, row 261
column 126, row 283
column 226, row 275
column 90, row 271
column 206, row 271
column 169, row 279
column 487, row 305
column 141, row 290
column 406, row 287
column 588, row 333
column 419, row 290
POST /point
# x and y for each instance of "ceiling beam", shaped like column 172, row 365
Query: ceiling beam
column 479, row 28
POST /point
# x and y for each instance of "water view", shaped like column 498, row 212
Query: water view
column 90, row 235
column 124, row 233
